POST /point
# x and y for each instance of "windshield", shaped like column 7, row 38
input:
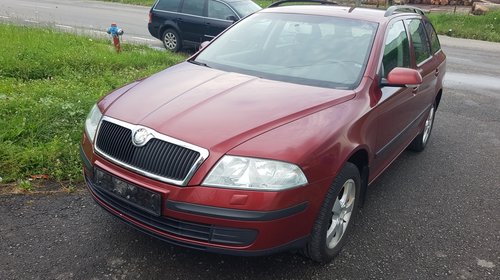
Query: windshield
column 305, row 49
column 244, row 8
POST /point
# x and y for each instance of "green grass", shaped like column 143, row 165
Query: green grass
column 48, row 82
column 486, row 27
column 25, row 185
column 264, row 3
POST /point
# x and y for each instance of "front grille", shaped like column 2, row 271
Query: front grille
column 157, row 157
column 195, row 231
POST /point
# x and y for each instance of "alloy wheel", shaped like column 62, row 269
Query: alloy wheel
column 170, row 41
column 428, row 126
column 341, row 213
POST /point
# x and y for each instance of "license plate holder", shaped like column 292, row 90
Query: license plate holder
column 131, row 194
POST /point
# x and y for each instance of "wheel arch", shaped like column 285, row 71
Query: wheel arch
column 360, row 158
column 168, row 25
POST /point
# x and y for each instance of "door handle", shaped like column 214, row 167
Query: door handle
column 436, row 73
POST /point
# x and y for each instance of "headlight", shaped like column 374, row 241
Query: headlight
column 92, row 121
column 255, row 174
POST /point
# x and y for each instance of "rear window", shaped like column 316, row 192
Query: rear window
column 168, row 5
column 419, row 40
column 435, row 46
column 193, row 7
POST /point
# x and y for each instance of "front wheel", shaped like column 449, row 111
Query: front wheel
column 336, row 216
column 171, row 40
column 418, row 144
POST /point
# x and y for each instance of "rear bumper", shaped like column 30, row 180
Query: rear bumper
column 154, row 30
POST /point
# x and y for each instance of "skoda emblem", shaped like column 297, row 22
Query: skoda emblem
column 140, row 137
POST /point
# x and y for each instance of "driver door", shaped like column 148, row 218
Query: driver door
column 395, row 109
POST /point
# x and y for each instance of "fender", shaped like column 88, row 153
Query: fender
column 166, row 25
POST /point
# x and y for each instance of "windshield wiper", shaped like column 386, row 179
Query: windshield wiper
column 199, row 63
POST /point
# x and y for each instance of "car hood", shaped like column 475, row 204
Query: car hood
column 217, row 110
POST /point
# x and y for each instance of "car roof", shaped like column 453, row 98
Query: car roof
column 374, row 15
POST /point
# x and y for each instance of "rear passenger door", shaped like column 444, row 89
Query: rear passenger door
column 220, row 17
column 191, row 20
column 438, row 56
column 424, row 63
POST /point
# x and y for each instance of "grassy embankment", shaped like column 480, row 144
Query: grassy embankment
column 486, row 27
column 48, row 82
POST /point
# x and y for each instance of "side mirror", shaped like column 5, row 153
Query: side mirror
column 402, row 77
column 232, row 18
column 203, row 45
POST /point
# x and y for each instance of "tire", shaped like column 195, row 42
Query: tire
column 336, row 216
column 171, row 40
column 418, row 144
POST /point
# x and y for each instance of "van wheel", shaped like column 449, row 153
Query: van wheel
column 418, row 144
column 171, row 40
column 336, row 216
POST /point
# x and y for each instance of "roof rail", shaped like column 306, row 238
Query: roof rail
column 276, row 4
column 401, row 9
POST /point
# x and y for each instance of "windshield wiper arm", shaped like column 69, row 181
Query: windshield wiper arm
column 199, row 63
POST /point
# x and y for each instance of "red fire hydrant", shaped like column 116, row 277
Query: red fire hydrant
column 115, row 33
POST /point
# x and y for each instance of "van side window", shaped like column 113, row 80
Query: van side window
column 396, row 50
column 193, row 7
column 421, row 45
column 219, row 10
column 168, row 5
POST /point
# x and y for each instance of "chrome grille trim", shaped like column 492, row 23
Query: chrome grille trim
column 154, row 134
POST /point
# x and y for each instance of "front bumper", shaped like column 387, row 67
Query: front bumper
column 207, row 227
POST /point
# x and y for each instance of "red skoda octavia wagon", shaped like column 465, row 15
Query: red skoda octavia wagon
column 267, row 138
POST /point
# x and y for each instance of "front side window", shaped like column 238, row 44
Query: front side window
column 168, row 5
column 396, row 49
column 304, row 49
column 419, row 40
column 219, row 11
column 193, row 7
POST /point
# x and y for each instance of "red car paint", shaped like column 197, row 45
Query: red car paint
column 318, row 129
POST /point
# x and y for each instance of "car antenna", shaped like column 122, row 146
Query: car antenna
column 351, row 9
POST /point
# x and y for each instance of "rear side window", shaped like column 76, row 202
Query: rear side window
column 396, row 50
column 168, row 5
column 435, row 46
column 193, row 7
column 219, row 10
column 419, row 40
